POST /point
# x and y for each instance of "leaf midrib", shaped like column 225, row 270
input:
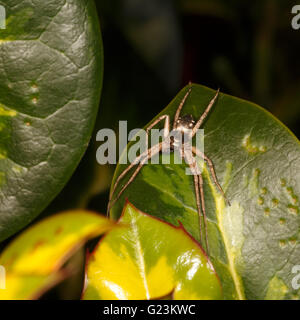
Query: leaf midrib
column 140, row 256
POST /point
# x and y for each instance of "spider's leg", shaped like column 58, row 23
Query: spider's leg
column 196, row 185
column 121, row 176
column 166, row 133
column 137, row 160
column 166, row 126
column 149, row 154
column 180, row 106
column 189, row 159
column 203, row 209
column 198, row 182
column 205, row 113
column 137, row 170
column 212, row 171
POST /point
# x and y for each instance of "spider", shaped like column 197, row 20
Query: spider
column 180, row 124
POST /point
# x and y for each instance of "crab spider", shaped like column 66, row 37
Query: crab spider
column 186, row 151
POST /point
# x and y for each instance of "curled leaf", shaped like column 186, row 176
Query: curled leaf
column 149, row 259
column 32, row 262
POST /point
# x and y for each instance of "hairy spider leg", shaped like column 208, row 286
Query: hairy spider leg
column 212, row 171
column 155, row 122
column 135, row 162
column 177, row 114
column 199, row 193
column 166, row 133
column 144, row 157
column 205, row 113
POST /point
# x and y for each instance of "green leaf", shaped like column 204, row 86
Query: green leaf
column 50, row 82
column 254, row 243
column 149, row 259
column 33, row 261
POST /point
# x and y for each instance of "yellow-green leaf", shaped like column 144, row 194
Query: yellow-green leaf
column 149, row 259
column 32, row 263
column 43, row 248
column 19, row 287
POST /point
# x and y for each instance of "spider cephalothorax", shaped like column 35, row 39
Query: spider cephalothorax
column 185, row 123
column 181, row 126
column 182, row 132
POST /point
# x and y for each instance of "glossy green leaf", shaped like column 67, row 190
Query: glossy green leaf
column 149, row 259
column 34, row 259
column 254, row 243
column 50, row 82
